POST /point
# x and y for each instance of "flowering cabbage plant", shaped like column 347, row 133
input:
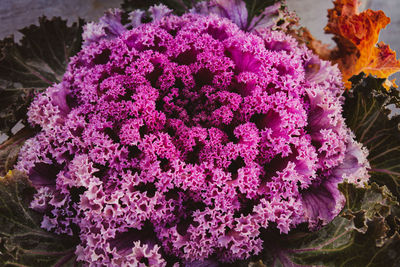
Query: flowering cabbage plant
column 192, row 140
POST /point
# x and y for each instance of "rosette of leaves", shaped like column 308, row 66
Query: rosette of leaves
column 365, row 234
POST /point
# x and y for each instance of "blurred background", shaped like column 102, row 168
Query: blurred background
column 16, row 14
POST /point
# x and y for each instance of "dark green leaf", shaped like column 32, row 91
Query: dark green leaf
column 361, row 236
column 22, row 241
column 37, row 62
column 255, row 7
column 365, row 234
column 367, row 116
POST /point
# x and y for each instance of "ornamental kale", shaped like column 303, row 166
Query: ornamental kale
column 182, row 138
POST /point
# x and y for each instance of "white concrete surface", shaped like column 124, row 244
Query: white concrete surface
column 16, row 14
column 312, row 14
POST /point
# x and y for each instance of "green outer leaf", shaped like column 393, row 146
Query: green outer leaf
column 37, row 62
column 360, row 236
column 366, row 114
column 365, row 234
column 22, row 241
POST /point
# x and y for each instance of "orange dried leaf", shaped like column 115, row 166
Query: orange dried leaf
column 382, row 62
column 356, row 35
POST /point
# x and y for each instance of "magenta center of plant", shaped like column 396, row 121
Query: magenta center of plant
column 189, row 135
